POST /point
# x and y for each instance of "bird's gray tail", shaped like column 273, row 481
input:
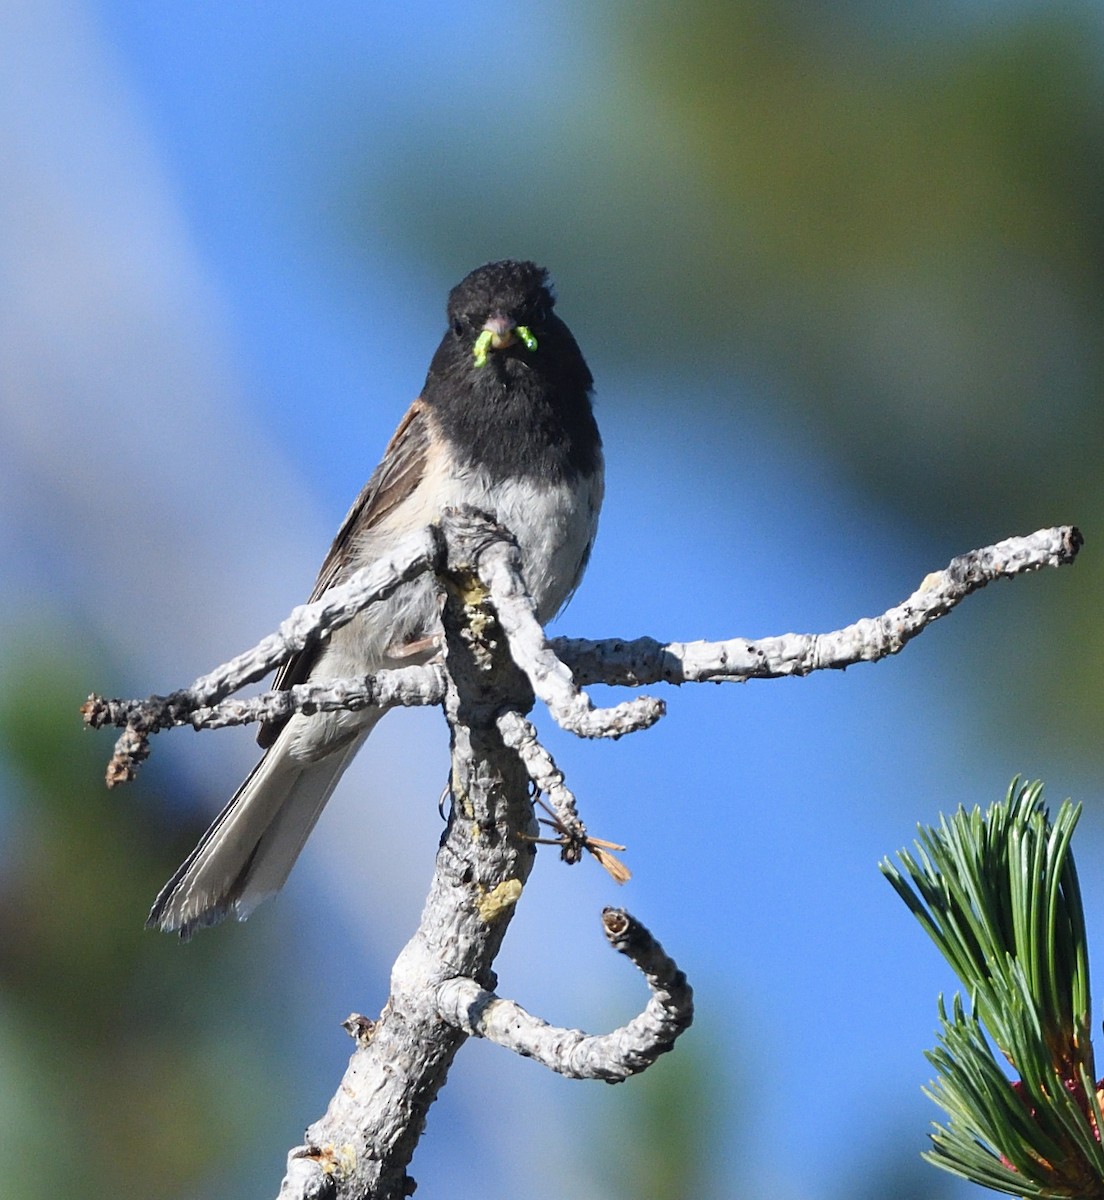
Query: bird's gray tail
column 250, row 848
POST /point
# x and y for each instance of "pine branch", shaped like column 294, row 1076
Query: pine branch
column 998, row 894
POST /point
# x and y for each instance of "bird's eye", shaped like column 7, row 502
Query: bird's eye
column 458, row 327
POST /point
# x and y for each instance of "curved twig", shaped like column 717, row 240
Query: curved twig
column 612, row 1057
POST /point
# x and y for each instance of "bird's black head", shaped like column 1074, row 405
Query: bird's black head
column 503, row 332
column 500, row 305
column 520, row 290
column 508, row 379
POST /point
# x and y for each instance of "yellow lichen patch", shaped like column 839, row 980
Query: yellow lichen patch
column 479, row 620
column 468, row 588
column 462, row 802
column 336, row 1160
column 499, row 900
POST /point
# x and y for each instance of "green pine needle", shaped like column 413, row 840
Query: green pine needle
column 998, row 894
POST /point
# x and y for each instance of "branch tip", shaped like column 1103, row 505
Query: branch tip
column 360, row 1028
column 93, row 712
column 615, row 921
column 1072, row 541
column 644, row 660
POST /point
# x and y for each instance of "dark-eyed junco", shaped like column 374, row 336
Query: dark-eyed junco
column 503, row 424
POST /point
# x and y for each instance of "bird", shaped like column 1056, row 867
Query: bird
column 504, row 424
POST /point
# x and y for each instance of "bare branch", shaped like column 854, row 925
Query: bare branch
column 499, row 565
column 520, row 735
column 413, row 556
column 644, row 660
column 395, row 688
column 496, row 652
column 306, row 623
column 557, row 669
column 361, row 1146
column 612, row 1057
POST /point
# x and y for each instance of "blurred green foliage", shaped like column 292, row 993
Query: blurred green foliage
column 145, row 1063
column 896, row 213
column 915, row 230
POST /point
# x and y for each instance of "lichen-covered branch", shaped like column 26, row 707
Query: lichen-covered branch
column 612, row 1057
column 362, row 1145
column 521, row 736
column 644, row 661
column 559, row 669
column 413, row 556
column 499, row 566
column 397, row 687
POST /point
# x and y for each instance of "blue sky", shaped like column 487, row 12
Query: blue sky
column 213, row 311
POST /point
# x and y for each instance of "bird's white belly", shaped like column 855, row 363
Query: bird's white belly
column 554, row 526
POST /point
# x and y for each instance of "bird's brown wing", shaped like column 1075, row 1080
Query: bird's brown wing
column 401, row 469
